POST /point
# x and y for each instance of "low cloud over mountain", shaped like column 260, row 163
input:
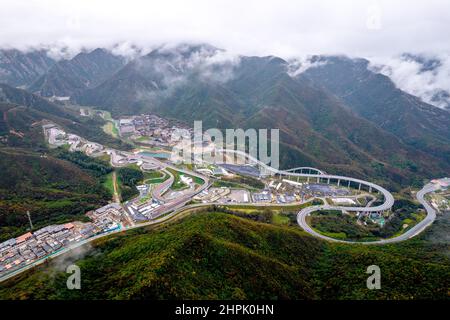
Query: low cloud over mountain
column 426, row 76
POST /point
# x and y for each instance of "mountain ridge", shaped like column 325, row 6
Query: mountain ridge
column 374, row 97
column 316, row 125
column 20, row 68
column 85, row 70
column 319, row 127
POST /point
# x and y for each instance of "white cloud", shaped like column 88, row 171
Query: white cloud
column 410, row 75
column 301, row 64
column 279, row 27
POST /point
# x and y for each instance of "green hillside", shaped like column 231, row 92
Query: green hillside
column 52, row 189
column 53, row 185
column 375, row 97
column 22, row 113
column 220, row 256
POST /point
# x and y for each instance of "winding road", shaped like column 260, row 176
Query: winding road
column 386, row 205
column 414, row 231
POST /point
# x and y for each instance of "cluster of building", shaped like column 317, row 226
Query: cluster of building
column 236, row 196
column 144, row 209
column 58, row 137
column 277, row 191
column 158, row 131
column 212, row 194
column 224, row 195
column 18, row 252
column 440, row 202
column 55, row 135
column 108, row 218
column 374, row 217
column 266, row 196
column 287, row 191
column 212, row 170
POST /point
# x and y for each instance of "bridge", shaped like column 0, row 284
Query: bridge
column 321, row 177
column 305, row 170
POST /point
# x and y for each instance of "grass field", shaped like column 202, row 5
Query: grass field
column 153, row 174
column 178, row 184
column 109, row 184
column 111, row 129
column 280, row 219
column 275, row 208
column 155, row 177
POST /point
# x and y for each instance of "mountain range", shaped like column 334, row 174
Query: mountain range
column 85, row 70
column 374, row 129
column 338, row 115
column 374, row 97
column 19, row 68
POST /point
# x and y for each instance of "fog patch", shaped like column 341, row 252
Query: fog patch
column 72, row 256
column 127, row 50
column 219, row 67
column 58, row 265
column 299, row 65
column 169, row 67
column 425, row 76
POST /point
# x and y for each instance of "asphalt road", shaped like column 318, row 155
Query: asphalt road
column 388, row 198
column 414, row 231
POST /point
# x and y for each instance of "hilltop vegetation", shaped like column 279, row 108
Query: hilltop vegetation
column 55, row 188
column 22, row 115
column 333, row 223
column 94, row 166
column 128, row 178
column 220, row 256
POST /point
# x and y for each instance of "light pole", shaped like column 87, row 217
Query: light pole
column 29, row 219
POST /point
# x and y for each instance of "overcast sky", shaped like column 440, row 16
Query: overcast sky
column 284, row 28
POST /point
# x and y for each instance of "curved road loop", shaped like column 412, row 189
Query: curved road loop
column 386, row 205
